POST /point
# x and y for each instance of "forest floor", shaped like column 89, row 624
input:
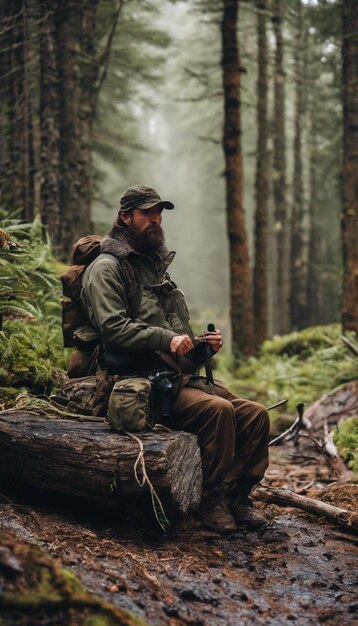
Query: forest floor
column 301, row 570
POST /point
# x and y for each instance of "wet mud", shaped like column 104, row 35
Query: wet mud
column 301, row 570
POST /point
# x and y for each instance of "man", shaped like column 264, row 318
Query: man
column 232, row 432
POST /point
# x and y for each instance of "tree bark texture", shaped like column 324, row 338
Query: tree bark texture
column 349, row 219
column 282, row 321
column 29, row 150
column 332, row 407
column 75, row 212
column 298, row 261
column 18, row 164
column 240, row 297
column 89, row 68
column 261, row 185
column 83, row 459
column 315, row 311
column 49, row 128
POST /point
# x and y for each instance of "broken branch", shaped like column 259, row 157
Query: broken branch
column 341, row 517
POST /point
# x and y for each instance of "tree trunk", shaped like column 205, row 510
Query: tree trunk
column 83, row 459
column 15, row 103
column 88, row 96
column 314, row 281
column 49, row 128
column 261, row 185
column 298, row 261
column 4, row 103
column 282, row 322
column 75, row 218
column 240, row 298
column 28, row 147
column 349, row 223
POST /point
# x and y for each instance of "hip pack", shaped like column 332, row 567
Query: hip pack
column 130, row 406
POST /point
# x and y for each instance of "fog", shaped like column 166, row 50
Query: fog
column 179, row 124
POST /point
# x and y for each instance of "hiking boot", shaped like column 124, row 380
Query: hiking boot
column 215, row 514
column 244, row 514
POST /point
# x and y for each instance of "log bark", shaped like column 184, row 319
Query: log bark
column 332, row 407
column 341, row 517
column 83, row 459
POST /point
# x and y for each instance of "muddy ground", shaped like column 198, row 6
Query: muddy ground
column 302, row 570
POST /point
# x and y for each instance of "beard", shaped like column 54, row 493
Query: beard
column 148, row 241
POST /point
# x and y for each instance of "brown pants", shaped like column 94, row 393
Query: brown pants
column 232, row 435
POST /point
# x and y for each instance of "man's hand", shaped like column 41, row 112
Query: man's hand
column 181, row 344
column 214, row 339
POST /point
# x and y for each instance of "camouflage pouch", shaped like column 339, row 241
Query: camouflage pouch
column 87, row 395
column 77, row 394
column 129, row 406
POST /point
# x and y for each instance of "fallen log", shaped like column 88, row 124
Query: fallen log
column 332, row 407
column 83, row 459
column 283, row 497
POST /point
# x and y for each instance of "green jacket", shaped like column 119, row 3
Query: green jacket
column 161, row 313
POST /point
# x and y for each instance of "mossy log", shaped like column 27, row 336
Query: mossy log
column 83, row 459
column 332, row 407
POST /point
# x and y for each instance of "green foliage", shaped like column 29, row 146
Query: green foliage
column 300, row 366
column 31, row 354
column 31, row 351
column 346, row 440
column 26, row 277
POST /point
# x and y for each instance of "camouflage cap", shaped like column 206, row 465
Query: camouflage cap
column 142, row 197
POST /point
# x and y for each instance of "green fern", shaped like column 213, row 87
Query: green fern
column 31, row 350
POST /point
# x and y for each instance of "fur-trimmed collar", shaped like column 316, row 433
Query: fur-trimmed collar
column 118, row 246
column 115, row 243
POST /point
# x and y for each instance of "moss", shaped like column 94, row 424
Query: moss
column 32, row 355
column 303, row 343
column 346, row 440
column 45, row 588
column 300, row 366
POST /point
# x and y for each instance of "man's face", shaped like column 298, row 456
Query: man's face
column 144, row 228
column 147, row 219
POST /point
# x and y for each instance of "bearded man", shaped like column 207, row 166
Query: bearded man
column 232, row 432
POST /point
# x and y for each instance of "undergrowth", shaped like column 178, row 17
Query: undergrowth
column 300, row 366
column 31, row 348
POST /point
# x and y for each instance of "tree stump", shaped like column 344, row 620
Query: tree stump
column 83, row 459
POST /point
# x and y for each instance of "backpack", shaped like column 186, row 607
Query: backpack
column 84, row 251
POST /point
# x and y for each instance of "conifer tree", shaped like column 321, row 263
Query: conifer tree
column 350, row 165
column 279, row 173
column 261, row 184
column 240, row 297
